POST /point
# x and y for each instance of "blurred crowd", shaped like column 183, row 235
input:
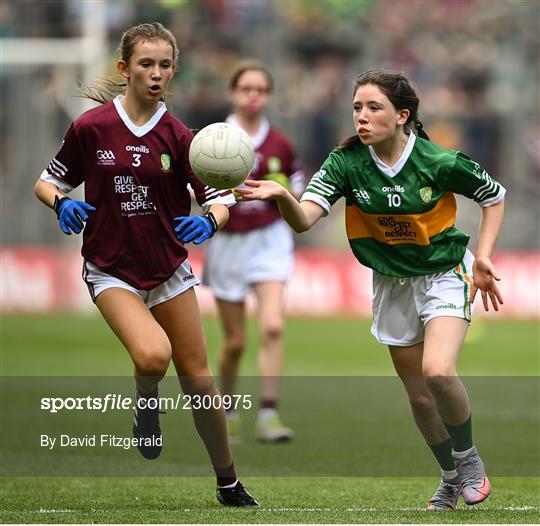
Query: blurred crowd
column 475, row 63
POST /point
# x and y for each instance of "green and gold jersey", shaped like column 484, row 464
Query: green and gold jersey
column 400, row 220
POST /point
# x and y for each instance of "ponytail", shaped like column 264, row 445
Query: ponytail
column 349, row 142
column 103, row 90
column 419, row 127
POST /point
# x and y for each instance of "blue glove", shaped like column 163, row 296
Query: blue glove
column 71, row 214
column 195, row 228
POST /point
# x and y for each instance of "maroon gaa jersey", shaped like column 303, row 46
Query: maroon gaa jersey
column 273, row 155
column 136, row 177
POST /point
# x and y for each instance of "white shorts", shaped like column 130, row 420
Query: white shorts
column 235, row 261
column 182, row 280
column 403, row 306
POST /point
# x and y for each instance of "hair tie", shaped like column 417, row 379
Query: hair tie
column 418, row 125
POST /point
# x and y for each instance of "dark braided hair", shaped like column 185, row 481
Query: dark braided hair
column 397, row 87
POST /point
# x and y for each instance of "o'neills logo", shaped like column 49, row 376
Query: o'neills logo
column 396, row 188
column 139, row 149
column 446, row 306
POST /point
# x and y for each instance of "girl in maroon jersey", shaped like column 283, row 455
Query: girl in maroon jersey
column 131, row 155
column 255, row 252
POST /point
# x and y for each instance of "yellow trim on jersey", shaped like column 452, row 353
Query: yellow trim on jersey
column 395, row 229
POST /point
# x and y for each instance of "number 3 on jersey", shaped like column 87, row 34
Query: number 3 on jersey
column 394, row 200
column 137, row 160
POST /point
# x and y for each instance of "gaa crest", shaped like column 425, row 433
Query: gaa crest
column 426, row 193
column 165, row 162
column 274, row 164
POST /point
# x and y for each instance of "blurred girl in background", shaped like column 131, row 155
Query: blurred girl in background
column 254, row 252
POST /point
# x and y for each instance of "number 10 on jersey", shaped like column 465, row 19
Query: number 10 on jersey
column 394, row 200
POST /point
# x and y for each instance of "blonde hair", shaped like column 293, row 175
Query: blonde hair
column 106, row 89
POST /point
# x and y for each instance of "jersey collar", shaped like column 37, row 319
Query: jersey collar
column 139, row 131
column 260, row 136
column 392, row 171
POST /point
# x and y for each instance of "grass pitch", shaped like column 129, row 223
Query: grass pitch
column 84, row 345
column 68, row 345
column 283, row 500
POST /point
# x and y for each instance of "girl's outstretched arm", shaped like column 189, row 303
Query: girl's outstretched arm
column 300, row 216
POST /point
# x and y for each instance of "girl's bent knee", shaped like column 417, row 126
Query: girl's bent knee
column 234, row 349
column 422, row 402
column 441, row 382
column 152, row 363
column 272, row 331
column 198, row 385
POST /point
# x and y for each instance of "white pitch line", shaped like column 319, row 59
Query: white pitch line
column 312, row 510
column 44, row 510
column 380, row 510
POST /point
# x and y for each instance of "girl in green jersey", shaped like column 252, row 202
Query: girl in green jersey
column 400, row 214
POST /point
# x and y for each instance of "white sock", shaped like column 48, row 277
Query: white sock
column 462, row 454
column 230, row 485
column 448, row 476
column 266, row 413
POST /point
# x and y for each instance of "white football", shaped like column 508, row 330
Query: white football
column 221, row 155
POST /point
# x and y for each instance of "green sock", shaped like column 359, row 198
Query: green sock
column 461, row 435
column 443, row 454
